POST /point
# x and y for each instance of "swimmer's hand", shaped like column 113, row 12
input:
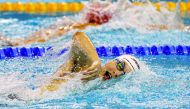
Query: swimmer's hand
column 92, row 72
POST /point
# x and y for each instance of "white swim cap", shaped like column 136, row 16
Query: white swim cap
column 133, row 62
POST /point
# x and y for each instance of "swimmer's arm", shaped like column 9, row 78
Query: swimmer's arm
column 39, row 36
column 157, row 27
column 64, row 69
column 59, row 77
column 84, row 43
column 10, row 41
column 53, row 85
column 47, row 34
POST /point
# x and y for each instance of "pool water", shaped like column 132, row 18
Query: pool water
column 163, row 82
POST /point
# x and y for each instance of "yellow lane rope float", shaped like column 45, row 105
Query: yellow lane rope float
column 52, row 7
column 171, row 6
column 41, row 7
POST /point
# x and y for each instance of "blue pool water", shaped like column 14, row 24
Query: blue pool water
column 163, row 83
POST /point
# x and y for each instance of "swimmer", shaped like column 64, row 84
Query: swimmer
column 95, row 13
column 84, row 59
column 44, row 35
column 125, row 11
column 93, row 16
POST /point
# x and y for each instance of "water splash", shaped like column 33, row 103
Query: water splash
column 143, row 17
column 22, row 84
column 130, row 85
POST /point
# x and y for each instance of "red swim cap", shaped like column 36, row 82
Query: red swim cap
column 96, row 14
column 96, row 17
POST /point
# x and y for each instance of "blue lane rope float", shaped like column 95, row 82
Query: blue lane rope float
column 102, row 51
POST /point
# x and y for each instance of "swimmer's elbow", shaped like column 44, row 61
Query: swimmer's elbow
column 78, row 35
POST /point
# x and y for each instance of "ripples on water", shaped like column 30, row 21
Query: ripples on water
column 164, row 82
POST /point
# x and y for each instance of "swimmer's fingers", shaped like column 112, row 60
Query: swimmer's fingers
column 91, row 68
column 90, row 72
column 89, row 77
column 95, row 66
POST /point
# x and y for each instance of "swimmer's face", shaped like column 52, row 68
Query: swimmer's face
column 114, row 68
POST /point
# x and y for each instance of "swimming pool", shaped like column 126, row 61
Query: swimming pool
column 164, row 82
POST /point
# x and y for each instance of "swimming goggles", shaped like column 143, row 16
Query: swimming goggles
column 120, row 65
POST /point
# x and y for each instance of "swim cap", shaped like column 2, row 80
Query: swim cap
column 132, row 62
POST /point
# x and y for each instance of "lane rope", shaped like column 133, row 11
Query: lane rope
column 54, row 7
column 41, row 7
column 102, row 51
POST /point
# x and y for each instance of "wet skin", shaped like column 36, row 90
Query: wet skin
column 109, row 70
column 83, row 59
